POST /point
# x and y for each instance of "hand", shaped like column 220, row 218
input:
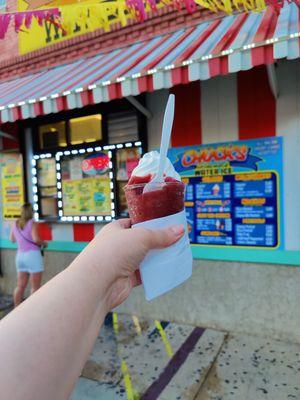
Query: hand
column 120, row 251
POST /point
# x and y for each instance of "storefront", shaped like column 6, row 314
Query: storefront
column 84, row 125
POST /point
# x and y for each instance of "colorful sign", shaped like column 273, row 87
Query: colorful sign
column 77, row 18
column 86, row 185
column 234, row 192
column 89, row 196
column 46, row 168
column 12, row 185
column 95, row 164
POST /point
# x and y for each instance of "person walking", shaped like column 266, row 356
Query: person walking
column 29, row 260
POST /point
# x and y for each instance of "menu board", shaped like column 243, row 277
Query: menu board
column 233, row 192
column 11, row 184
column 86, row 185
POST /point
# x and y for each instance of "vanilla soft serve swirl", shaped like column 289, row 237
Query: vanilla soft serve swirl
column 148, row 164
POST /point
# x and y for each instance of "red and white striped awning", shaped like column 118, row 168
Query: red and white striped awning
column 230, row 44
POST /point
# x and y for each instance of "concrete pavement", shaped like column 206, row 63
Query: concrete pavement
column 144, row 359
column 137, row 358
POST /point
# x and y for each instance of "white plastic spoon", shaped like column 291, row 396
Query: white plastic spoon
column 158, row 180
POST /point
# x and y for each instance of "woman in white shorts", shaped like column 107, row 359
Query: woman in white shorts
column 29, row 261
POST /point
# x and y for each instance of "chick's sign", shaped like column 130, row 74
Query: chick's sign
column 233, row 192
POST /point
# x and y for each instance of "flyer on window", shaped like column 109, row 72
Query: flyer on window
column 12, row 184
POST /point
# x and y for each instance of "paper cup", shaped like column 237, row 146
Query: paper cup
column 163, row 269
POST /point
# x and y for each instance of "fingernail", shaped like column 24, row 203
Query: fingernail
column 177, row 230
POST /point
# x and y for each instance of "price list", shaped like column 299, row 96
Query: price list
column 237, row 210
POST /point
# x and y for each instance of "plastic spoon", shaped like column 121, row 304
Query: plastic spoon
column 158, row 180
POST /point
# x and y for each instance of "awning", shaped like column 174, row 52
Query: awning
column 230, row 44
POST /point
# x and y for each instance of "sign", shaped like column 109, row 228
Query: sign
column 86, row 185
column 89, row 196
column 95, row 164
column 12, row 185
column 233, row 193
column 46, row 172
column 78, row 17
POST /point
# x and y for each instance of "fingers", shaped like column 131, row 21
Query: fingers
column 161, row 238
column 123, row 223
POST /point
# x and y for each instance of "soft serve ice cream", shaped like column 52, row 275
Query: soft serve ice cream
column 168, row 200
column 148, row 165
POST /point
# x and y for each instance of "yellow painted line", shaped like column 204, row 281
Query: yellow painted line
column 137, row 324
column 131, row 395
column 127, row 381
column 164, row 338
column 115, row 322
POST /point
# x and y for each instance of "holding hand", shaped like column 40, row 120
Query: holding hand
column 119, row 251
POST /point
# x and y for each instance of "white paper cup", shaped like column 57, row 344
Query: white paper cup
column 164, row 269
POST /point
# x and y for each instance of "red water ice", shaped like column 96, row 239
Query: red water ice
column 155, row 204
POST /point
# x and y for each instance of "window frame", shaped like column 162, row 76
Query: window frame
column 104, row 109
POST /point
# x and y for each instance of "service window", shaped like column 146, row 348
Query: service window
column 82, row 164
column 86, row 129
column 52, row 136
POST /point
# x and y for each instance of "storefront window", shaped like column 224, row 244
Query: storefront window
column 52, row 136
column 86, row 129
column 82, row 165
column 46, row 180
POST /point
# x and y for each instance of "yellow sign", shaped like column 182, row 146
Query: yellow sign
column 77, row 17
column 88, row 196
column 12, row 185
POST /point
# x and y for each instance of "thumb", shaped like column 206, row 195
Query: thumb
column 161, row 238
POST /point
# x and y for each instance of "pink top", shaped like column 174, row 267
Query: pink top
column 22, row 234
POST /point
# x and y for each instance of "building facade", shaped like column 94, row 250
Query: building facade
column 235, row 78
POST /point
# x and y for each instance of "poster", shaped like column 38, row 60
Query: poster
column 12, row 184
column 90, row 196
column 86, row 185
column 233, row 192
column 46, row 168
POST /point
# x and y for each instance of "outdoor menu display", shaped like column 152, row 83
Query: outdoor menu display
column 233, row 193
column 12, row 184
column 86, row 184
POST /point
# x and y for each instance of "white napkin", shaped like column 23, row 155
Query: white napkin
column 164, row 269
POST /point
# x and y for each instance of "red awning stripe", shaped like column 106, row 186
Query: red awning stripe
column 230, row 44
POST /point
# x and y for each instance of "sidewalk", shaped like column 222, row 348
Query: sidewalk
column 142, row 359
column 135, row 358
column 6, row 305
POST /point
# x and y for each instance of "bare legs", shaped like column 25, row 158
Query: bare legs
column 23, row 277
column 35, row 281
column 21, row 286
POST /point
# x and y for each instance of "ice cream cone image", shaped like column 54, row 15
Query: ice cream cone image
column 216, row 190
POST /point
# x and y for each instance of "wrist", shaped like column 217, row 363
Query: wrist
column 95, row 266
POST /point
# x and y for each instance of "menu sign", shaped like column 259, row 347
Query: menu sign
column 12, row 184
column 86, row 185
column 90, row 196
column 233, row 193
